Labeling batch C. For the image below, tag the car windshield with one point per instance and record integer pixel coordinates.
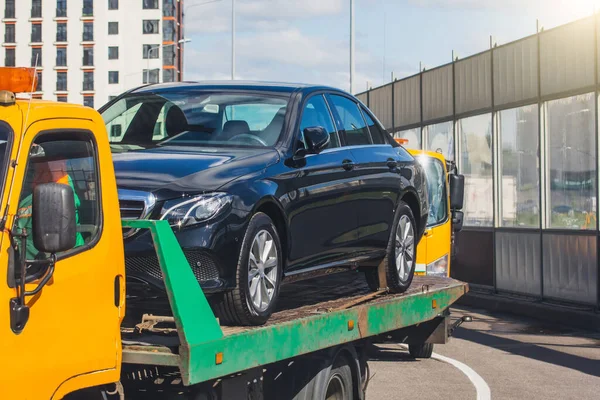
(196, 118)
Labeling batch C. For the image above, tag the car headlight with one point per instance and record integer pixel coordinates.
(185, 212)
(439, 267)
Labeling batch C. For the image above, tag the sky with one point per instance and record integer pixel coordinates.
(308, 40)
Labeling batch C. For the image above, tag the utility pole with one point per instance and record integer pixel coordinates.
(232, 39)
(351, 46)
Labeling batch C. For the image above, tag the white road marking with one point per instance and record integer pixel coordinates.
(481, 387)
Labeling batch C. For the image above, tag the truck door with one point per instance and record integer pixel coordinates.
(71, 338)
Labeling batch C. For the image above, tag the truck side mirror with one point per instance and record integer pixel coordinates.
(457, 191)
(53, 218)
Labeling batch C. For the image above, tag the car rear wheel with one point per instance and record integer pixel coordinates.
(258, 277)
(399, 263)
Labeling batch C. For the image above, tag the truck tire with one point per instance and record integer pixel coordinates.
(424, 350)
(331, 382)
(399, 249)
(244, 305)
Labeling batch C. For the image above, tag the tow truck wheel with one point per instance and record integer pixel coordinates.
(333, 382)
(424, 350)
(258, 277)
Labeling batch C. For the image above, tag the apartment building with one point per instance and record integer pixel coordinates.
(88, 51)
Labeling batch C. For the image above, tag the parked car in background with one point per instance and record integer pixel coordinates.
(263, 183)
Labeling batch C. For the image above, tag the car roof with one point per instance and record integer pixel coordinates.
(281, 87)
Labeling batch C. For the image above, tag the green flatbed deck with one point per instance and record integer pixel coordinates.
(312, 315)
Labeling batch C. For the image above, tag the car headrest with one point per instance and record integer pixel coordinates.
(175, 121)
(235, 127)
(271, 133)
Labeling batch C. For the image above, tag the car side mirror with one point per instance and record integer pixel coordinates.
(316, 139)
(457, 221)
(54, 218)
(457, 191)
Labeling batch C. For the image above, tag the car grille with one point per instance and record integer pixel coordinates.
(203, 266)
(135, 205)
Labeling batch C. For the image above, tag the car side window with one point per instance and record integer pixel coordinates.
(377, 134)
(351, 121)
(68, 159)
(316, 113)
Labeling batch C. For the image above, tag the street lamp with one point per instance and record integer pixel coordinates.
(151, 49)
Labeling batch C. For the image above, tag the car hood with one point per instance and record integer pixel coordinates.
(172, 171)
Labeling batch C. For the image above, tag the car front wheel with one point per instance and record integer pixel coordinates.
(258, 277)
(401, 255)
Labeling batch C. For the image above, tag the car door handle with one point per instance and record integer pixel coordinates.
(391, 163)
(348, 165)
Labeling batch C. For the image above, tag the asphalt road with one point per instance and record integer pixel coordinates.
(516, 358)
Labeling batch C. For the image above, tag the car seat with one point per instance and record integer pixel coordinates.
(175, 121)
(233, 128)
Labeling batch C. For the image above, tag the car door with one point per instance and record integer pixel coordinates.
(377, 168)
(72, 334)
(322, 216)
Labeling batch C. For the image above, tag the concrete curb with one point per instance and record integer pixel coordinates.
(580, 318)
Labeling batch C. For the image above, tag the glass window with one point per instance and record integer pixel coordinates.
(38, 88)
(61, 32)
(519, 165)
(113, 77)
(61, 8)
(36, 57)
(9, 33)
(9, 58)
(61, 99)
(476, 166)
(61, 81)
(88, 80)
(61, 56)
(440, 137)
(88, 8)
(168, 8)
(5, 147)
(571, 162)
(113, 28)
(316, 113)
(9, 10)
(168, 55)
(169, 33)
(169, 75)
(151, 75)
(36, 8)
(378, 134)
(88, 101)
(150, 51)
(113, 53)
(351, 121)
(412, 135)
(88, 31)
(436, 187)
(68, 159)
(88, 56)
(197, 118)
(150, 26)
(36, 33)
(113, 4)
(150, 4)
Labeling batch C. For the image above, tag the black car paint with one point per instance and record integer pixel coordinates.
(327, 213)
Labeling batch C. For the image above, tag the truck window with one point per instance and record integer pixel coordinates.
(436, 185)
(5, 136)
(69, 159)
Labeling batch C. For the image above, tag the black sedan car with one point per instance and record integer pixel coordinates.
(263, 183)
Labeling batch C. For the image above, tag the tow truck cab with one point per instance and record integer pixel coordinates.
(446, 192)
(61, 230)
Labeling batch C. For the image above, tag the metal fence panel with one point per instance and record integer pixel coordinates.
(407, 101)
(473, 83)
(380, 102)
(570, 269)
(516, 72)
(364, 97)
(518, 262)
(567, 57)
(438, 96)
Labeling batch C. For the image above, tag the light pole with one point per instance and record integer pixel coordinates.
(351, 46)
(232, 40)
(151, 49)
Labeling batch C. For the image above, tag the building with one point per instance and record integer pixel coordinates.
(521, 122)
(88, 51)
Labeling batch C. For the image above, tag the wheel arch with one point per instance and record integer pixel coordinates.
(273, 209)
(411, 198)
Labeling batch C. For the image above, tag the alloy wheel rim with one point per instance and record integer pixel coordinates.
(404, 248)
(262, 270)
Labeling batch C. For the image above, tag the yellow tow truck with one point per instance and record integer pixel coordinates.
(63, 331)
(446, 193)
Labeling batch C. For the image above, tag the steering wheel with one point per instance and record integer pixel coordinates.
(249, 136)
